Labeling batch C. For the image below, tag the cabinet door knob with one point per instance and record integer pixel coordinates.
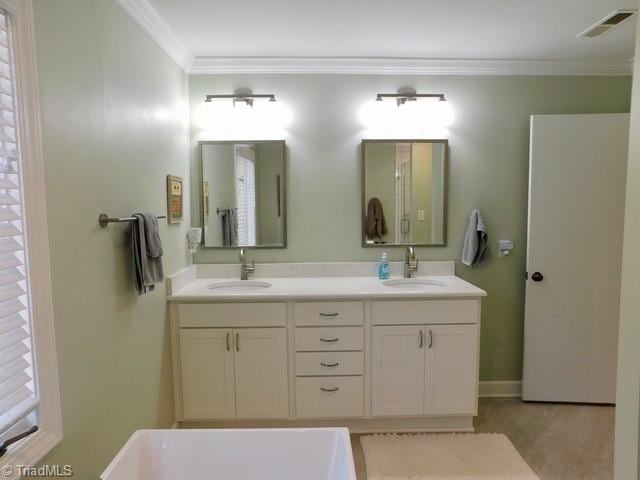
(537, 277)
(330, 390)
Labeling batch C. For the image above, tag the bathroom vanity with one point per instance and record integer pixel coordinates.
(325, 344)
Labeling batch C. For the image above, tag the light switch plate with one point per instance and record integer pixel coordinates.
(505, 247)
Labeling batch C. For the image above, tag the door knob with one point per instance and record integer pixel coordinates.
(537, 277)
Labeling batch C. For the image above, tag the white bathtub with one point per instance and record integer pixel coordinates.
(235, 454)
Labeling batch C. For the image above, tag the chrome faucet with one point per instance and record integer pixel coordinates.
(410, 262)
(245, 269)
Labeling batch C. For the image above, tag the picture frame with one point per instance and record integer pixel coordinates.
(175, 197)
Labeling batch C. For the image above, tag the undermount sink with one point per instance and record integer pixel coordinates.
(413, 283)
(238, 286)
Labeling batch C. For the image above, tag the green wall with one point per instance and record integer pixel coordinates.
(268, 167)
(421, 192)
(488, 170)
(114, 125)
(627, 429)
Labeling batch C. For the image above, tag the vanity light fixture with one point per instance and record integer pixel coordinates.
(245, 97)
(408, 111)
(405, 95)
(242, 114)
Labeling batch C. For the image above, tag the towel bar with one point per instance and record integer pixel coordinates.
(218, 210)
(104, 219)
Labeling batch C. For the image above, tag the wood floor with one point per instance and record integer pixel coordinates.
(560, 442)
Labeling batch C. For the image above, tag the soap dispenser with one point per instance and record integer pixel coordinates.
(383, 267)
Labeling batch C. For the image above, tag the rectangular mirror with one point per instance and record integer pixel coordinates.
(404, 192)
(243, 197)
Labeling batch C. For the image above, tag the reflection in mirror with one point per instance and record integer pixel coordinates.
(243, 196)
(404, 186)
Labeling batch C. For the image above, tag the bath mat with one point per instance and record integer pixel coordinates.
(483, 456)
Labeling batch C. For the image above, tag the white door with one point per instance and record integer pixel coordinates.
(398, 370)
(451, 369)
(576, 208)
(206, 358)
(261, 372)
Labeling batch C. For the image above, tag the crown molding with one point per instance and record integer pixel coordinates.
(406, 66)
(150, 20)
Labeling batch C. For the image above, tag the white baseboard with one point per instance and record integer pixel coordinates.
(500, 389)
(461, 423)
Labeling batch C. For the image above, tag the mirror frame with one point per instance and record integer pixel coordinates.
(283, 193)
(445, 192)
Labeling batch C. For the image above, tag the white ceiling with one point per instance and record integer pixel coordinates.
(444, 29)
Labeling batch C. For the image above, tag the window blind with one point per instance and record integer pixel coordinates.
(17, 387)
(245, 177)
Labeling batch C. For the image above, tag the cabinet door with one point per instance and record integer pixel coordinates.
(398, 370)
(206, 358)
(261, 372)
(451, 369)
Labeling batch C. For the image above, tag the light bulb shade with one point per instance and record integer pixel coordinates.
(211, 115)
(377, 114)
(273, 114)
(445, 113)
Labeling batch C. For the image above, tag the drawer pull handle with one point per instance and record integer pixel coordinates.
(237, 342)
(421, 337)
(329, 315)
(430, 338)
(228, 347)
(329, 365)
(329, 340)
(330, 390)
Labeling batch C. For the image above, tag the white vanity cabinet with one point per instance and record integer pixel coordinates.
(425, 357)
(208, 384)
(423, 370)
(372, 364)
(329, 342)
(236, 372)
(398, 370)
(451, 369)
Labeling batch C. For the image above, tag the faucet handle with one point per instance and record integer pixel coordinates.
(414, 267)
(251, 268)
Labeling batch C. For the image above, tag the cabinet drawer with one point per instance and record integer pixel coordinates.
(329, 363)
(193, 315)
(320, 314)
(329, 397)
(425, 312)
(317, 339)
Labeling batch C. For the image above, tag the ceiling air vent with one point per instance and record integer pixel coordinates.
(608, 23)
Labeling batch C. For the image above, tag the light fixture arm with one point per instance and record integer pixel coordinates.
(404, 97)
(247, 98)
